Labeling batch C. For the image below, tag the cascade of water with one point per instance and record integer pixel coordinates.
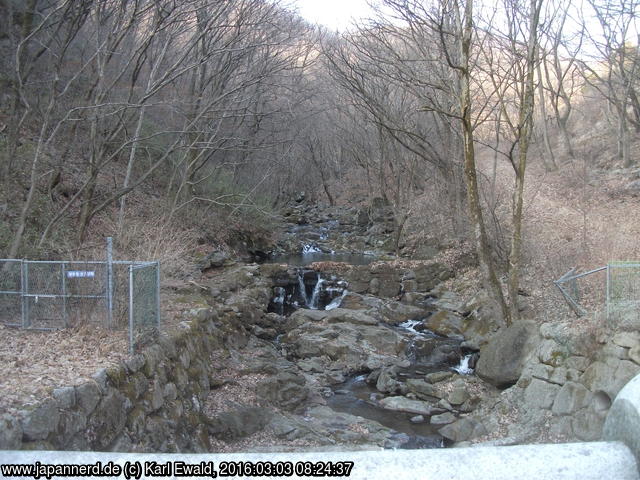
(310, 248)
(336, 302)
(313, 304)
(278, 301)
(302, 287)
(463, 367)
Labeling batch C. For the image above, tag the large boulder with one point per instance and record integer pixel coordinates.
(354, 347)
(503, 358)
(286, 390)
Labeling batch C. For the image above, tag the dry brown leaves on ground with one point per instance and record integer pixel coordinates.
(33, 363)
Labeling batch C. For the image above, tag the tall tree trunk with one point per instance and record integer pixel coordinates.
(525, 122)
(473, 196)
(549, 159)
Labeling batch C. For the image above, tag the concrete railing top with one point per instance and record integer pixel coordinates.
(584, 461)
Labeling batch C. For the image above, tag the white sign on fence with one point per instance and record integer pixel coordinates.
(81, 274)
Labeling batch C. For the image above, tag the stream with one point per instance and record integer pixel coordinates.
(427, 352)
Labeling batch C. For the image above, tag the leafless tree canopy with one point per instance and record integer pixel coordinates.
(234, 106)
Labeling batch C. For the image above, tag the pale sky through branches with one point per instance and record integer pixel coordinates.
(333, 14)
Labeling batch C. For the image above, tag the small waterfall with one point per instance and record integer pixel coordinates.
(302, 287)
(313, 304)
(336, 302)
(310, 248)
(464, 368)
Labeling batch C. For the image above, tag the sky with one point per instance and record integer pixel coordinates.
(333, 14)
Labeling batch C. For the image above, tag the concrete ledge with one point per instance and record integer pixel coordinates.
(623, 420)
(584, 461)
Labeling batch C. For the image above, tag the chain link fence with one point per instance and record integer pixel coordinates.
(616, 287)
(51, 295)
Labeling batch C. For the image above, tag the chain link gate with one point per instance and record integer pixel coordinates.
(51, 295)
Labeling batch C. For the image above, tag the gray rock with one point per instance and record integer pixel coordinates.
(540, 394)
(552, 353)
(587, 425)
(577, 363)
(634, 354)
(387, 382)
(436, 377)
(422, 389)
(627, 339)
(134, 363)
(503, 358)
(101, 378)
(10, 433)
(109, 418)
(286, 390)
(403, 404)
(614, 351)
(609, 378)
(417, 419)
(356, 317)
(66, 397)
(215, 259)
(463, 429)
(70, 423)
(445, 323)
(170, 392)
(443, 419)
(571, 398)
(88, 396)
(458, 396)
(239, 423)
(39, 423)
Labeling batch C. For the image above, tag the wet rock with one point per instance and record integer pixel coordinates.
(503, 358)
(386, 382)
(422, 389)
(417, 419)
(443, 419)
(403, 404)
(444, 323)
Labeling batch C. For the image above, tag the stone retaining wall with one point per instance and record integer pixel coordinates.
(151, 402)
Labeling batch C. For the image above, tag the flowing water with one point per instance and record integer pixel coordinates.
(426, 351)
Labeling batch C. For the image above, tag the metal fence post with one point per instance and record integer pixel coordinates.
(158, 294)
(608, 300)
(131, 309)
(22, 297)
(109, 285)
(63, 271)
(25, 291)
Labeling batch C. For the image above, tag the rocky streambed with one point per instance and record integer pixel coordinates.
(374, 351)
(352, 349)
